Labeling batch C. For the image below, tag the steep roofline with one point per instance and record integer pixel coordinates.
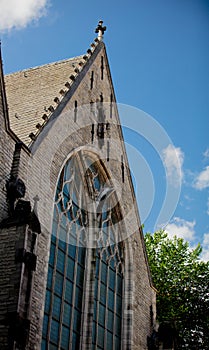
(5, 107)
(44, 65)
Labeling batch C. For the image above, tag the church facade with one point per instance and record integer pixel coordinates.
(73, 271)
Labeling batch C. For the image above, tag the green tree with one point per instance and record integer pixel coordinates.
(182, 283)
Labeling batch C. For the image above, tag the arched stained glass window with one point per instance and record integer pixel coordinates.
(84, 203)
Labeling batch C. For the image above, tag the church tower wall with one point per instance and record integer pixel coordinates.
(6, 146)
(15, 239)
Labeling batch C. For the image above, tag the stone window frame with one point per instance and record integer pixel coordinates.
(104, 170)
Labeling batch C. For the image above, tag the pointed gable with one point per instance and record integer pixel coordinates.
(34, 94)
(65, 112)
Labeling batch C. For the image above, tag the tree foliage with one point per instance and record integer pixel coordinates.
(182, 283)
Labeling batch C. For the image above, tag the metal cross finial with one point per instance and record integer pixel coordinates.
(100, 30)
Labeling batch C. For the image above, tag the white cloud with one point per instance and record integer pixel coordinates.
(173, 158)
(205, 246)
(181, 228)
(18, 14)
(206, 153)
(188, 198)
(202, 180)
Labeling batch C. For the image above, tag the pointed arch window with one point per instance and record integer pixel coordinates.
(83, 180)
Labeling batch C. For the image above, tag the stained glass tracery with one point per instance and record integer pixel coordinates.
(83, 181)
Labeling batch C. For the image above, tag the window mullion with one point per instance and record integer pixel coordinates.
(63, 293)
(53, 283)
(98, 298)
(74, 293)
(115, 300)
(106, 307)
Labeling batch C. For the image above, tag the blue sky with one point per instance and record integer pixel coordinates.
(159, 58)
